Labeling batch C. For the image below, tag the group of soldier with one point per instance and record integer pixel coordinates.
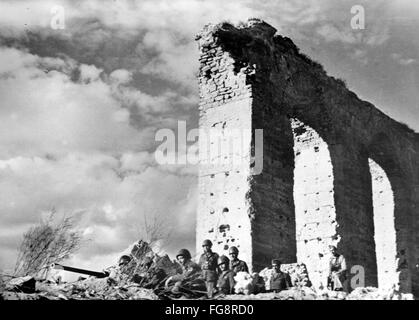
(218, 272)
(215, 274)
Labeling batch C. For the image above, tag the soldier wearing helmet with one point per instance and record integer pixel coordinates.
(279, 280)
(208, 262)
(225, 283)
(189, 270)
(119, 273)
(337, 279)
(236, 265)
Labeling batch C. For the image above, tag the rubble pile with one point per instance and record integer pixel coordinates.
(143, 278)
(308, 293)
(138, 280)
(371, 293)
(88, 289)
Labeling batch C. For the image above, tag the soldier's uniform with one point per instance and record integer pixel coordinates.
(238, 266)
(235, 264)
(190, 271)
(279, 281)
(337, 273)
(225, 283)
(209, 265)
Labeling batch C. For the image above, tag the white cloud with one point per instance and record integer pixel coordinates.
(70, 145)
(400, 59)
(109, 196)
(120, 76)
(78, 136)
(43, 111)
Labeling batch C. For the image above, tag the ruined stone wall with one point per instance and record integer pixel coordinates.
(251, 78)
(223, 209)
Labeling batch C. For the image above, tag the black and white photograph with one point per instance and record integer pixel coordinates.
(226, 152)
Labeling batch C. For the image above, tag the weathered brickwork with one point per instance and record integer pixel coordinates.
(319, 140)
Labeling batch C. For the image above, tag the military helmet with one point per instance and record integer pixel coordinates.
(185, 253)
(276, 261)
(233, 249)
(207, 242)
(223, 259)
(125, 259)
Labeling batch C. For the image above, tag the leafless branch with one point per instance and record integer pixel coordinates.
(46, 243)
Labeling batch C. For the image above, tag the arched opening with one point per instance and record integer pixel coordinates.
(315, 212)
(384, 229)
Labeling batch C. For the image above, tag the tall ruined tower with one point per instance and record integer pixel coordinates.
(334, 169)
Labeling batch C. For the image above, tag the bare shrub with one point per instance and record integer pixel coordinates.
(155, 228)
(46, 243)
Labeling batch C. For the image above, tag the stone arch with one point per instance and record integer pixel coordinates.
(384, 230)
(315, 213)
(260, 80)
(382, 152)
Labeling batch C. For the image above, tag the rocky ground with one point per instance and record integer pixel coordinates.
(98, 289)
(138, 282)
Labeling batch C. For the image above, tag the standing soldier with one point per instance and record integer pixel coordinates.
(236, 265)
(337, 270)
(226, 281)
(279, 280)
(209, 265)
(189, 270)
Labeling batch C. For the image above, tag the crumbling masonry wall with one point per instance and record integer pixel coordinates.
(319, 138)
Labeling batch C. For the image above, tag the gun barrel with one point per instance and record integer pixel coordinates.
(82, 271)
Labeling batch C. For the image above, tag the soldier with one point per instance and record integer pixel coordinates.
(337, 271)
(226, 281)
(208, 262)
(189, 270)
(236, 265)
(118, 273)
(279, 280)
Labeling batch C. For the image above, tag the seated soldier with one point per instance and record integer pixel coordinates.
(337, 271)
(258, 284)
(279, 280)
(226, 281)
(236, 265)
(190, 271)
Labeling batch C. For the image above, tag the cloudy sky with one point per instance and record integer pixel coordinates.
(79, 106)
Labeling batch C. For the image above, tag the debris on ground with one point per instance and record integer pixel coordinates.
(144, 276)
(308, 293)
(21, 284)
